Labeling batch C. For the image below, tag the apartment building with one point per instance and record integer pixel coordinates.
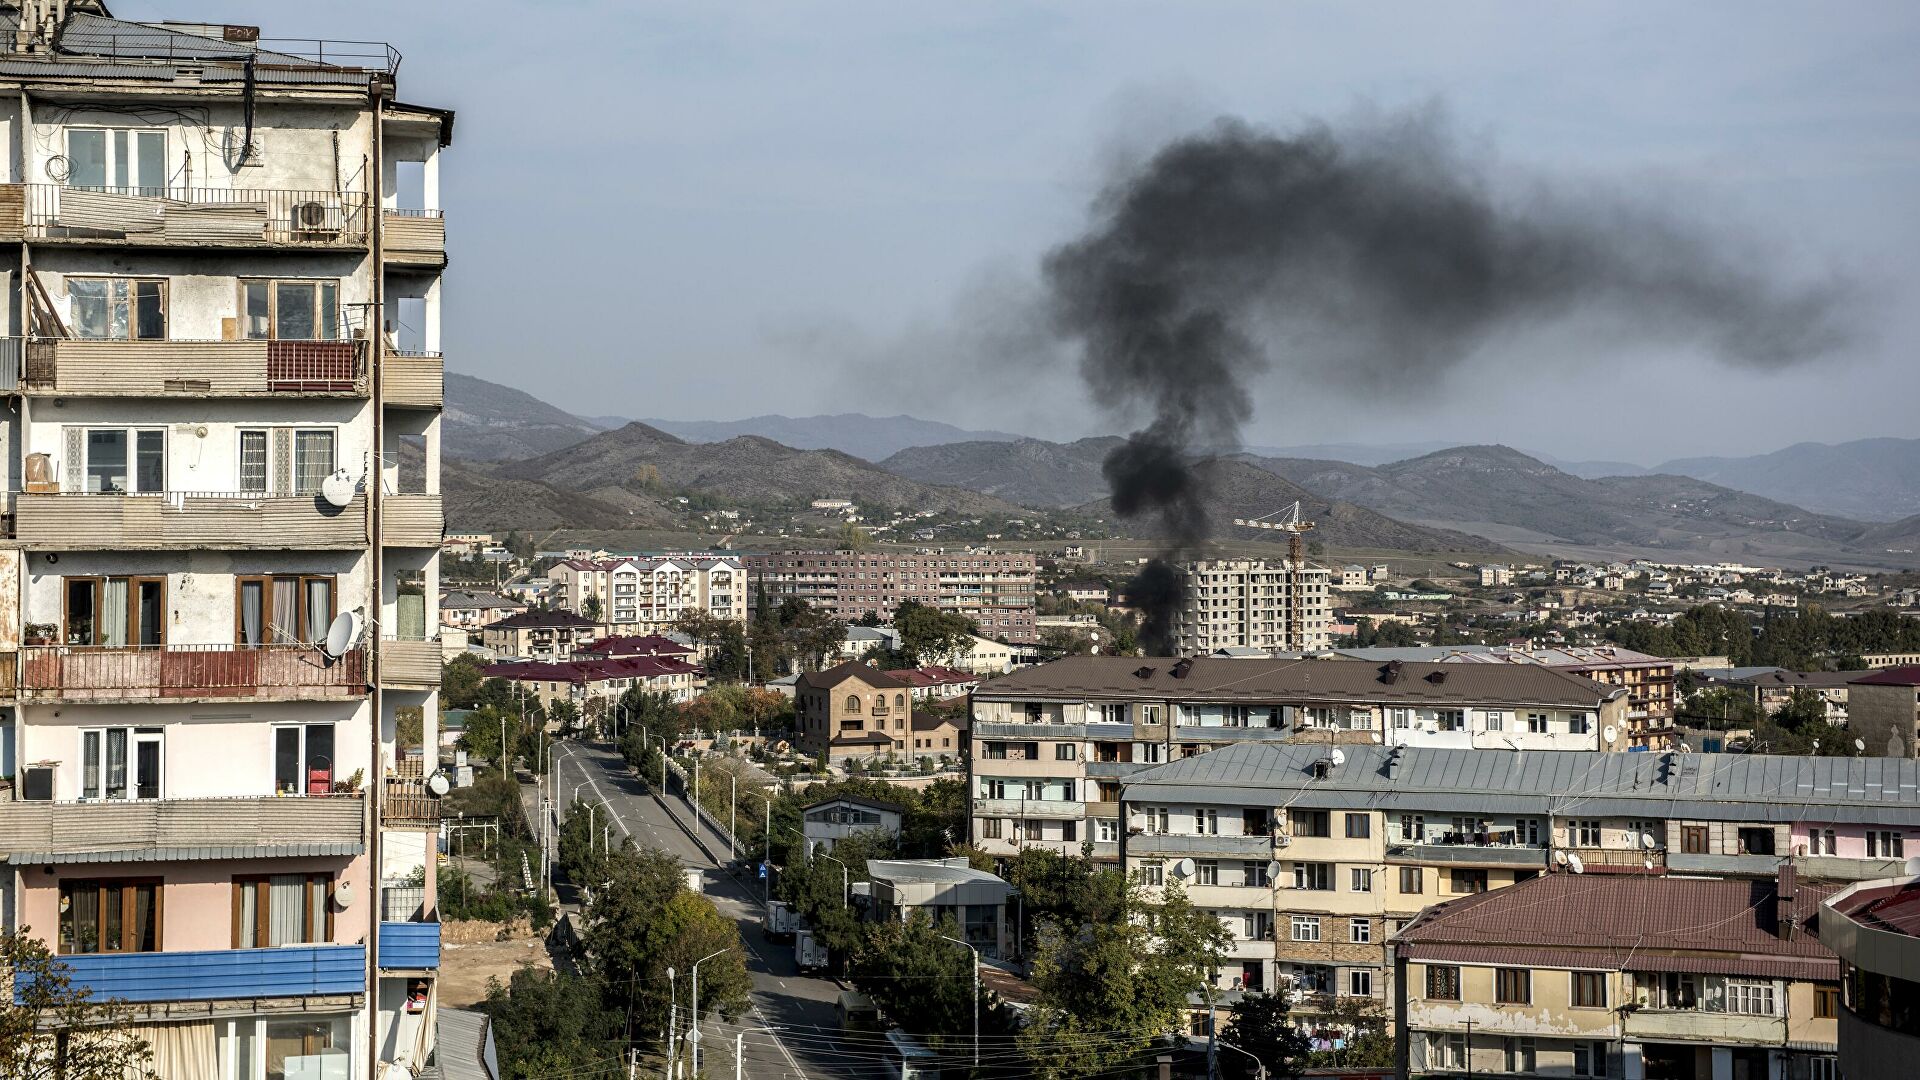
(546, 636)
(223, 286)
(1253, 603)
(1317, 860)
(470, 609)
(1873, 927)
(993, 588)
(645, 595)
(1647, 679)
(1053, 743)
(1883, 711)
(854, 710)
(1641, 975)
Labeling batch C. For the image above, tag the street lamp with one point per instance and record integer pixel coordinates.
(1257, 1063)
(733, 814)
(694, 1035)
(976, 996)
(766, 876)
(846, 887)
(663, 765)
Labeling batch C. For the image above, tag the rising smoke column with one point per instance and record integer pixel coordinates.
(1374, 259)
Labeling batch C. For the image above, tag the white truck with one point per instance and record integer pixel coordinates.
(782, 922)
(808, 953)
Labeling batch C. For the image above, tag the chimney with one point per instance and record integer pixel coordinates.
(1785, 884)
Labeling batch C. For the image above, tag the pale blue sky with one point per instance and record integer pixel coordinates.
(710, 209)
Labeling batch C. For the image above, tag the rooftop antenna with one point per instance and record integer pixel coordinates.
(1294, 527)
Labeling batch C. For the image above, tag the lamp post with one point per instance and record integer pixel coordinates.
(663, 765)
(976, 996)
(694, 1035)
(733, 813)
(673, 1019)
(1257, 1063)
(766, 878)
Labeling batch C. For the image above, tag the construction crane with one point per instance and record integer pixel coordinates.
(1290, 524)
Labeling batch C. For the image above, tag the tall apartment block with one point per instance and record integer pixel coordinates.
(993, 588)
(1266, 604)
(646, 595)
(222, 291)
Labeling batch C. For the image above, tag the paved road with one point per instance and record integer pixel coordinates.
(792, 1030)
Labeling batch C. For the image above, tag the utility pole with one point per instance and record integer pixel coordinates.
(733, 814)
(976, 996)
(766, 876)
(739, 1041)
(693, 1036)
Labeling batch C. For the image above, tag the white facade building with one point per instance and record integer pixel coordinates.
(1256, 603)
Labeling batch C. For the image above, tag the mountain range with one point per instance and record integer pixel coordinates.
(869, 438)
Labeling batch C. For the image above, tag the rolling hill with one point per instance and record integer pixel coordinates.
(869, 438)
(1032, 472)
(485, 421)
(1867, 479)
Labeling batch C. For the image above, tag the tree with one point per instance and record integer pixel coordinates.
(929, 635)
(1366, 1034)
(852, 537)
(460, 681)
(913, 973)
(1066, 641)
(51, 1029)
(550, 1023)
(1258, 1024)
(564, 713)
(590, 609)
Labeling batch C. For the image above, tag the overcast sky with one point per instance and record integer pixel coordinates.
(707, 210)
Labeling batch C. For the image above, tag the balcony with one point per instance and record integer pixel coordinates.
(415, 521)
(414, 380)
(1183, 844)
(188, 673)
(198, 218)
(289, 971)
(1695, 1025)
(408, 802)
(182, 829)
(1683, 862)
(1111, 770)
(409, 946)
(414, 238)
(1835, 868)
(410, 664)
(1030, 731)
(1051, 809)
(1515, 855)
(74, 368)
(217, 520)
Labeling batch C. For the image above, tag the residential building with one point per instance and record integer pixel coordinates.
(626, 647)
(993, 588)
(470, 609)
(646, 595)
(216, 595)
(943, 889)
(586, 678)
(1637, 975)
(1775, 688)
(546, 636)
(985, 656)
(933, 682)
(861, 640)
(464, 544)
(1337, 853)
(1351, 577)
(1874, 928)
(1085, 592)
(1883, 711)
(830, 820)
(1886, 660)
(1052, 744)
(853, 710)
(1496, 576)
(1261, 603)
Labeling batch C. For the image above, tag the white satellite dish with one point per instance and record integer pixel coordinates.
(1860, 745)
(343, 635)
(1339, 757)
(1183, 868)
(1559, 858)
(1273, 871)
(437, 783)
(1574, 864)
(343, 894)
(1646, 840)
(1913, 865)
(337, 489)
(1648, 863)
(1608, 733)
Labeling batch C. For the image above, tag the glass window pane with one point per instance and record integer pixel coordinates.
(253, 461)
(253, 612)
(259, 306)
(107, 461)
(82, 919)
(81, 617)
(150, 314)
(286, 760)
(121, 158)
(150, 614)
(118, 320)
(293, 311)
(87, 158)
(312, 460)
(150, 163)
(286, 610)
(319, 758)
(113, 612)
(116, 763)
(319, 605)
(146, 920)
(90, 765)
(330, 310)
(249, 915)
(151, 459)
(89, 306)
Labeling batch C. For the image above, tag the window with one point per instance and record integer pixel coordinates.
(1885, 844)
(1360, 879)
(303, 759)
(1536, 723)
(1590, 989)
(253, 460)
(118, 309)
(1467, 881)
(122, 460)
(994, 750)
(1826, 1001)
(1580, 723)
(1152, 873)
(1512, 986)
(1106, 830)
(1526, 831)
(1756, 841)
(1206, 872)
(1360, 931)
(283, 909)
(291, 310)
(1821, 842)
(992, 828)
(1309, 823)
(1823, 1068)
(1394, 926)
(1069, 831)
(1256, 925)
(1315, 877)
(121, 763)
(110, 916)
(1585, 833)
(1589, 1059)
(1413, 828)
(1496, 720)
(1359, 826)
(1306, 927)
(1401, 719)
(1521, 1055)
(1063, 751)
(1206, 822)
(1253, 875)
(1447, 1051)
(1359, 983)
(1693, 839)
(1031, 829)
(1451, 719)
(282, 610)
(1410, 880)
(853, 703)
(133, 160)
(1443, 982)
(116, 611)
(313, 458)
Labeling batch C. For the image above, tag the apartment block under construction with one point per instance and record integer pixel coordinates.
(1270, 605)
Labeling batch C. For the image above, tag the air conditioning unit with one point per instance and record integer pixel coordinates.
(1282, 840)
(316, 220)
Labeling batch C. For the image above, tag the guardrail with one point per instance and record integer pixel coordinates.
(195, 217)
(78, 672)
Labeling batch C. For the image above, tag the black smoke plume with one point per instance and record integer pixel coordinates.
(1376, 260)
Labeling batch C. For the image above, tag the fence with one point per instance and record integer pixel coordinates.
(100, 671)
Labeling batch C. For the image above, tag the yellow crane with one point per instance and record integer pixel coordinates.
(1291, 524)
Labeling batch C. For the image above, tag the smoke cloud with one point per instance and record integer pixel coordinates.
(1375, 259)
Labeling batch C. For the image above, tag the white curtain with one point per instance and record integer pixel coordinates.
(179, 1050)
(286, 609)
(319, 608)
(249, 916)
(113, 612)
(251, 600)
(286, 909)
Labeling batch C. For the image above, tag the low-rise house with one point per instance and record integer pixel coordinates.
(584, 680)
(1634, 975)
(1773, 689)
(1085, 592)
(1874, 928)
(629, 646)
(861, 640)
(853, 710)
(943, 889)
(1883, 711)
(835, 819)
(471, 609)
(933, 682)
(544, 636)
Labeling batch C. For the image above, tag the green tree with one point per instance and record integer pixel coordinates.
(914, 974)
(1066, 641)
(1365, 1029)
(851, 537)
(590, 609)
(51, 1029)
(564, 713)
(550, 1023)
(460, 681)
(929, 635)
(1259, 1024)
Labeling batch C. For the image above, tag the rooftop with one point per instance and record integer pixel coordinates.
(98, 46)
(535, 619)
(1579, 657)
(457, 599)
(852, 669)
(929, 872)
(933, 675)
(1908, 675)
(1894, 908)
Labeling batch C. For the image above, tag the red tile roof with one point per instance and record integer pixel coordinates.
(1893, 676)
(852, 669)
(631, 645)
(528, 620)
(1894, 908)
(933, 675)
(591, 670)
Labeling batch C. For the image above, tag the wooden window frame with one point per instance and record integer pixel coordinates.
(273, 306)
(1587, 989)
(124, 887)
(1694, 840)
(133, 311)
(1512, 986)
(1451, 976)
(99, 583)
(266, 604)
(263, 914)
(133, 433)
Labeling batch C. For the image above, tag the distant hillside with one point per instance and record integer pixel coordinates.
(1868, 479)
(1032, 472)
(867, 437)
(485, 421)
(638, 462)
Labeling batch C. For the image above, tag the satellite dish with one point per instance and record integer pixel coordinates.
(1339, 757)
(1860, 745)
(1273, 871)
(1913, 865)
(1574, 864)
(1559, 858)
(1136, 821)
(1183, 868)
(337, 489)
(1608, 733)
(1646, 840)
(437, 783)
(1648, 863)
(343, 894)
(343, 635)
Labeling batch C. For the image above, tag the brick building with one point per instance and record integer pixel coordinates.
(993, 588)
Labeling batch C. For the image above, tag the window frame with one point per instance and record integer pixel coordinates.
(132, 433)
(1446, 977)
(1359, 930)
(135, 735)
(116, 160)
(1359, 826)
(263, 908)
(1583, 987)
(134, 627)
(269, 619)
(1417, 876)
(1512, 986)
(132, 284)
(126, 891)
(1303, 927)
(324, 316)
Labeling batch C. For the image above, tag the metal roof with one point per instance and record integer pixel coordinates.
(188, 854)
(1749, 787)
(929, 872)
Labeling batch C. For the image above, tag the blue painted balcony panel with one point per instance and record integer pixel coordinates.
(288, 971)
(409, 946)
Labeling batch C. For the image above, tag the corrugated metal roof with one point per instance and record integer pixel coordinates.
(1237, 679)
(929, 871)
(1761, 787)
(462, 1038)
(185, 854)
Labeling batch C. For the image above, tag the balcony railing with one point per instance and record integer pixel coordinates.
(194, 217)
(414, 238)
(288, 971)
(412, 521)
(409, 946)
(69, 366)
(112, 673)
(1030, 808)
(408, 802)
(415, 664)
(1182, 844)
(412, 379)
(321, 824)
(218, 520)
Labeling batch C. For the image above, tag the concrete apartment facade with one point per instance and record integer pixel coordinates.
(1874, 928)
(646, 595)
(1252, 603)
(1317, 861)
(1883, 711)
(1053, 744)
(222, 446)
(993, 588)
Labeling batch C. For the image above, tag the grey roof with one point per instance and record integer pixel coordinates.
(1746, 787)
(456, 599)
(259, 827)
(188, 854)
(463, 1038)
(928, 872)
(1235, 679)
